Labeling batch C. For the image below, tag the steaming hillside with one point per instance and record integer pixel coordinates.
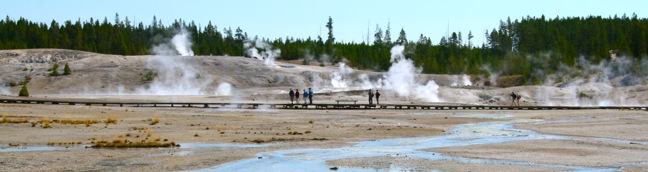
(94, 73)
(101, 74)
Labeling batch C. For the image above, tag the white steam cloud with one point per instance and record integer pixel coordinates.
(461, 82)
(492, 75)
(401, 78)
(340, 78)
(602, 84)
(175, 68)
(261, 50)
(224, 89)
(182, 43)
(365, 82)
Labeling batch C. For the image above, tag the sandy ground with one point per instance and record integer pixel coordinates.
(603, 138)
(181, 126)
(614, 139)
(400, 163)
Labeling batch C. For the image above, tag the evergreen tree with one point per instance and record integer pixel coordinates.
(402, 38)
(66, 70)
(54, 70)
(330, 40)
(23, 91)
(470, 37)
(388, 35)
(378, 36)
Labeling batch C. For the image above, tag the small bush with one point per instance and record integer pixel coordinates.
(66, 70)
(86, 122)
(148, 76)
(23, 91)
(154, 120)
(45, 123)
(584, 95)
(110, 120)
(295, 133)
(54, 70)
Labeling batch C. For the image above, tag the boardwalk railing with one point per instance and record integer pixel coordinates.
(310, 106)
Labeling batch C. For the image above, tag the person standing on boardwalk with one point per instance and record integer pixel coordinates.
(516, 99)
(305, 96)
(297, 96)
(377, 97)
(370, 96)
(310, 95)
(291, 93)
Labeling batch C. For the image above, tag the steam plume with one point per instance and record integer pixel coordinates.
(340, 78)
(401, 78)
(176, 70)
(261, 50)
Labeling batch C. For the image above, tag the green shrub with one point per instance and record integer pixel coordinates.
(148, 76)
(66, 70)
(23, 91)
(54, 70)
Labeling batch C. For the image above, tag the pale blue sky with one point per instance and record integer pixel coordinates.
(303, 18)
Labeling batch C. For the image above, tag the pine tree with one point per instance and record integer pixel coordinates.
(23, 91)
(470, 37)
(378, 36)
(402, 38)
(66, 70)
(387, 36)
(54, 70)
(331, 39)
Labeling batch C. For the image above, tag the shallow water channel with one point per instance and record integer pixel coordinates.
(314, 159)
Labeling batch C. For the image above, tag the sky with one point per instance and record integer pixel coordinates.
(307, 18)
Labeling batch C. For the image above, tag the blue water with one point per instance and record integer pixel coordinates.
(30, 149)
(314, 159)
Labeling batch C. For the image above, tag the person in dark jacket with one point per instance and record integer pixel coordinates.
(377, 97)
(370, 93)
(291, 93)
(516, 99)
(297, 96)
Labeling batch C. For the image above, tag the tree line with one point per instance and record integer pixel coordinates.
(518, 47)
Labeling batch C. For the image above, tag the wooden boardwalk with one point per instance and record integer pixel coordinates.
(310, 106)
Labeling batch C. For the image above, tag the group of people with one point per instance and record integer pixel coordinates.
(371, 95)
(294, 95)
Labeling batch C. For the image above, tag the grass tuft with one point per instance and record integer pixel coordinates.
(154, 121)
(110, 120)
(9, 120)
(134, 141)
